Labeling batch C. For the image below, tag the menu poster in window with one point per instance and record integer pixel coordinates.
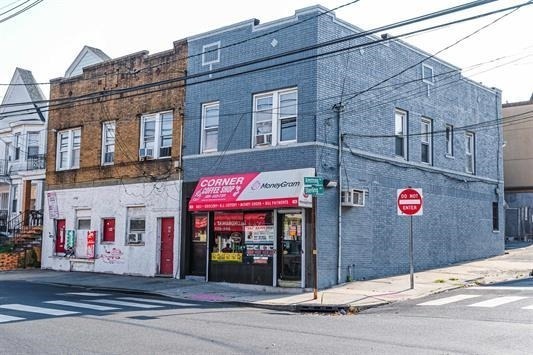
(259, 234)
(200, 227)
(91, 239)
(228, 222)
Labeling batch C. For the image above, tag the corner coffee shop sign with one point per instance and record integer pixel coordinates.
(272, 189)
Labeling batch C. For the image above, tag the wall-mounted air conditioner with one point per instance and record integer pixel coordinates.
(146, 153)
(262, 139)
(135, 238)
(353, 198)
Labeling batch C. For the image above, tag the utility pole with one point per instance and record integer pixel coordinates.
(338, 109)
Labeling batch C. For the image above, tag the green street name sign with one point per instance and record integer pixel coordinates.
(314, 190)
(314, 181)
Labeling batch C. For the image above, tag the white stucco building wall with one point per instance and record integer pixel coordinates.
(157, 200)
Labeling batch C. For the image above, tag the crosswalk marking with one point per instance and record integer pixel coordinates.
(447, 300)
(32, 309)
(96, 307)
(124, 303)
(85, 294)
(4, 319)
(150, 300)
(493, 288)
(498, 301)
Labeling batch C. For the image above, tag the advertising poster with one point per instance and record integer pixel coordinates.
(91, 240)
(71, 239)
(53, 210)
(259, 234)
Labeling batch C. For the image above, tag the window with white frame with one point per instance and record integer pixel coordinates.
(427, 74)
(470, 152)
(426, 131)
(68, 149)
(34, 139)
(136, 225)
(449, 140)
(14, 200)
(210, 117)
(211, 54)
(16, 145)
(400, 133)
(156, 136)
(108, 143)
(275, 115)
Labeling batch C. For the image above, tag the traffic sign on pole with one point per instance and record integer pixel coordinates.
(313, 180)
(314, 190)
(410, 202)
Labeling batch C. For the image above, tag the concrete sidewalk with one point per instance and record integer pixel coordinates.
(516, 263)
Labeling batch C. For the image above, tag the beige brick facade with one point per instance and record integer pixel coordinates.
(119, 90)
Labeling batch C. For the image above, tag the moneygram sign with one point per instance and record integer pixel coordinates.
(273, 189)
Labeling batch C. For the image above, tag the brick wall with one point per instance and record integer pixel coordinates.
(10, 261)
(126, 108)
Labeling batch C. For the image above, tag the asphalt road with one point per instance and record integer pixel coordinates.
(494, 320)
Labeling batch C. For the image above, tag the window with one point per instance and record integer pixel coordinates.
(156, 136)
(14, 205)
(425, 140)
(275, 116)
(17, 146)
(68, 149)
(210, 114)
(33, 144)
(449, 140)
(108, 143)
(470, 153)
(108, 234)
(427, 74)
(83, 223)
(495, 217)
(211, 54)
(136, 225)
(400, 132)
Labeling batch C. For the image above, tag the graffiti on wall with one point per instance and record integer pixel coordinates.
(112, 256)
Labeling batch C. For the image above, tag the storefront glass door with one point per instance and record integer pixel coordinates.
(198, 245)
(290, 236)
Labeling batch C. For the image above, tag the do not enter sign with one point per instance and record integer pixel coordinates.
(410, 202)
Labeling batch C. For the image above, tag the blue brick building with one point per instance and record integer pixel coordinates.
(263, 98)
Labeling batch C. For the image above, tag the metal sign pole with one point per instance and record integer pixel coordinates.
(315, 271)
(411, 263)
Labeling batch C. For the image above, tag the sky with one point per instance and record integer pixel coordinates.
(47, 38)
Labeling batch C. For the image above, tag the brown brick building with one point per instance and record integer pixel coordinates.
(114, 163)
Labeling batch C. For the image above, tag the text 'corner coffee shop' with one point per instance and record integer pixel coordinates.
(251, 228)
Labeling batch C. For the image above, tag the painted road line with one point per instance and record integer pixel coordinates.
(96, 307)
(32, 309)
(528, 307)
(447, 300)
(511, 288)
(498, 301)
(4, 319)
(124, 303)
(86, 294)
(150, 300)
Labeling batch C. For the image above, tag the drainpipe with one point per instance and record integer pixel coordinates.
(338, 108)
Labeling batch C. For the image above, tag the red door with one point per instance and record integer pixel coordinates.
(60, 236)
(109, 230)
(167, 246)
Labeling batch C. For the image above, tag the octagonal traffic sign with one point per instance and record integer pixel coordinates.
(410, 202)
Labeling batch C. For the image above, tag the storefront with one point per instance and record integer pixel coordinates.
(251, 228)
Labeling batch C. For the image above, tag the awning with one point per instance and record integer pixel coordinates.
(272, 189)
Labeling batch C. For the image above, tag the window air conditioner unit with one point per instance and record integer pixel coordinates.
(262, 139)
(134, 238)
(165, 151)
(353, 198)
(146, 153)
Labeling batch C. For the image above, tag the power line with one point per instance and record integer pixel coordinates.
(35, 3)
(189, 77)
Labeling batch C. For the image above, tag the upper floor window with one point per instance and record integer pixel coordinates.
(427, 74)
(210, 112)
(68, 149)
(400, 133)
(275, 116)
(156, 136)
(108, 143)
(16, 145)
(211, 54)
(426, 131)
(470, 152)
(449, 140)
(34, 139)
